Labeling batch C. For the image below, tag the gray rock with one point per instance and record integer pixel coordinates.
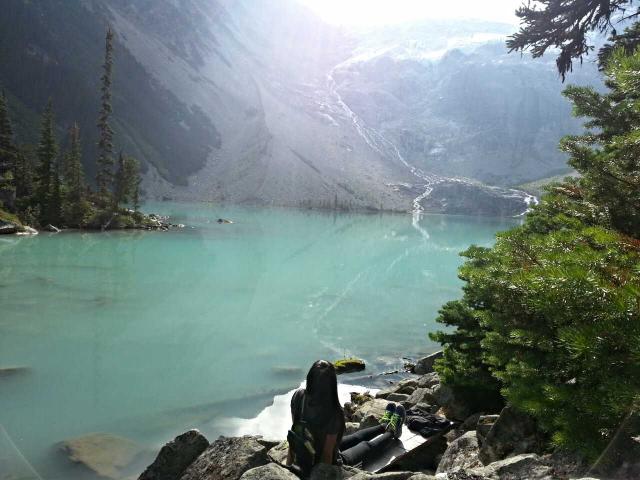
(11, 371)
(422, 476)
(279, 453)
(105, 454)
(428, 380)
(7, 228)
(484, 425)
(512, 434)
(175, 456)
(372, 408)
(453, 407)
(383, 476)
(227, 459)
(51, 228)
(405, 387)
(398, 397)
(323, 471)
(270, 471)
(462, 453)
(527, 466)
(27, 230)
(425, 364)
(421, 395)
(351, 427)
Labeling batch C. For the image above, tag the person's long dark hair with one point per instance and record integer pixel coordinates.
(322, 388)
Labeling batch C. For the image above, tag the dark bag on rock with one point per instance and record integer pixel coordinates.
(425, 423)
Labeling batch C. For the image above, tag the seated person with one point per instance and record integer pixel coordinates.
(318, 425)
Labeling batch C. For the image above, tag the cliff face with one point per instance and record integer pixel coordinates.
(258, 101)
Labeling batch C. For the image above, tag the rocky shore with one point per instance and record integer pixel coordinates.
(481, 445)
(134, 221)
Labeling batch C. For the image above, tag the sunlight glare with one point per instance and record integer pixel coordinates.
(380, 12)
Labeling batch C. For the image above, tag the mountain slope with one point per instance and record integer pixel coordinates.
(260, 102)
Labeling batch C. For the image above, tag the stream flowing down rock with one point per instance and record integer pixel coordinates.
(105, 454)
(227, 459)
(176, 456)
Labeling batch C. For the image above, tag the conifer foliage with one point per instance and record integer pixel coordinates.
(105, 144)
(52, 189)
(7, 156)
(551, 313)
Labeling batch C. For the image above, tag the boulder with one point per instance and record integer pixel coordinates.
(421, 476)
(421, 395)
(452, 405)
(51, 228)
(373, 408)
(403, 387)
(351, 427)
(227, 459)
(484, 425)
(279, 453)
(348, 365)
(428, 380)
(105, 454)
(27, 230)
(383, 476)
(425, 364)
(322, 471)
(398, 397)
(11, 371)
(8, 228)
(270, 471)
(175, 456)
(529, 466)
(461, 454)
(513, 433)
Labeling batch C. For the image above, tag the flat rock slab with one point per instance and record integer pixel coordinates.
(103, 453)
(11, 371)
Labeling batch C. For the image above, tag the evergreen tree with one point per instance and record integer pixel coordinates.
(47, 157)
(104, 178)
(8, 153)
(565, 24)
(127, 181)
(75, 206)
(552, 311)
(23, 176)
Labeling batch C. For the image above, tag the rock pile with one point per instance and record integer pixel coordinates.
(503, 445)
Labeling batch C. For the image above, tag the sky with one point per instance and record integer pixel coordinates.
(381, 12)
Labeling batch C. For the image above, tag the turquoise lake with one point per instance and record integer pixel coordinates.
(146, 334)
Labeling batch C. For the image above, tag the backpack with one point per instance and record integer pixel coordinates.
(301, 441)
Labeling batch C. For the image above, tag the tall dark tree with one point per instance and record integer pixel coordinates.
(104, 178)
(75, 205)
(47, 158)
(565, 24)
(8, 153)
(23, 172)
(127, 181)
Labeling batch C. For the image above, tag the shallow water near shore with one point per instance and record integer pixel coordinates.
(147, 334)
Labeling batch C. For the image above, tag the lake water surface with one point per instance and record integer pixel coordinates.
(146, 334)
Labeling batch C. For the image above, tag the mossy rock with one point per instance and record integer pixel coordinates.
(348, 365)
